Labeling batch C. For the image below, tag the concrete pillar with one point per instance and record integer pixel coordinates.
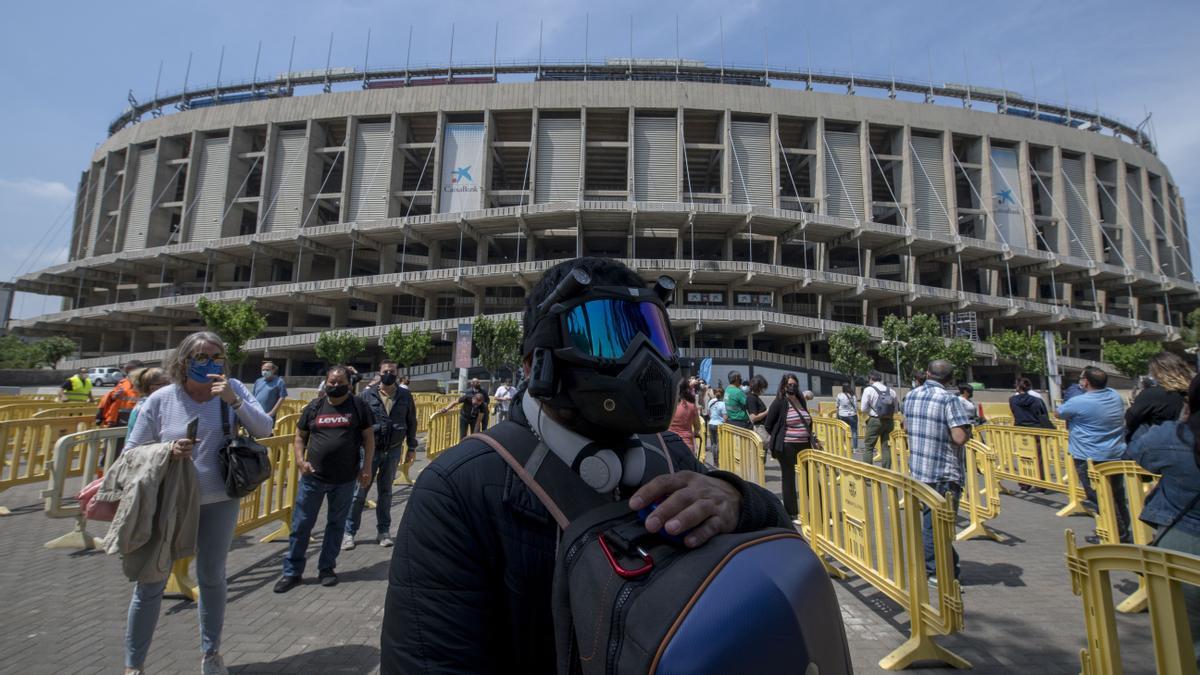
(481, 250)
(430, 306)
(819, 187)
(387, 258)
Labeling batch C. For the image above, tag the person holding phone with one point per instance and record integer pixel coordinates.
(199, 391)
(329, 434)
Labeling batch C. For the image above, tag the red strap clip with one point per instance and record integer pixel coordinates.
(647, 561)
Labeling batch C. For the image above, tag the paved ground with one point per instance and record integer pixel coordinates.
(64, 612)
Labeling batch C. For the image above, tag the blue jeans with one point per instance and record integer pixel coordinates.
(383, 471)
(853, 422)
(309, 494)
(941, 487)
(213, 537)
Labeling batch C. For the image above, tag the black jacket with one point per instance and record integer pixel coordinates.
(1154, 405)
(776, 423)
(396, 426)
(1029, 411)
(469, 586)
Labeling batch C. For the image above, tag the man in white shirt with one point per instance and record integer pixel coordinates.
(847, 412)
(504, 396)
(879, 402)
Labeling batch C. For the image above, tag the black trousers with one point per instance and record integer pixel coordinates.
(787, 463)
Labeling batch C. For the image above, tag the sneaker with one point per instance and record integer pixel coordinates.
(213, 664)
(348, 542)
(385, 541)
(286, 584)
(327, 578)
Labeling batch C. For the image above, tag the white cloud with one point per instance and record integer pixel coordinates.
(37, 189)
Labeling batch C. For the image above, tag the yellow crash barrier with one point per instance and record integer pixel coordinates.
(84, 455)
(741, 453)
(64, 411)
(443, 433)
(27, 447)
(271, 502)
(898, 445)
(834, 436)
(285, 425)
(1036, 457)
(853, 515)
(981, 486)
(1138, 483)
(1165, 571)
(1000, 420)
(21, 411)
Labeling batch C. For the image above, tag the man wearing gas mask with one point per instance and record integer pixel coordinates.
(470, 583)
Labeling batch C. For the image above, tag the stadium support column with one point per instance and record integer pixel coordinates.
(1091, 195)
(987, 203)
(820, 190)
(1031, 235)
(906, 199)
(1058, 194)
(947, 177)
(726, 161)
(439, 134)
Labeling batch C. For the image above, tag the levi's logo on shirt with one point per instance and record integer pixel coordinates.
(331, 420)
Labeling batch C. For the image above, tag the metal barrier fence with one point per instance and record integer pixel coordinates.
(22, 411)
(1165, 572)
(1000, 420)
(443, 433)
(27, 447)
(834, 435)
(981, 485)
(425, 410)
(1137, 482)
(271, 502)
(741, 453)
(852, 514)
(285, 425)
(63, 411)
(1036, 457)
(83, 455)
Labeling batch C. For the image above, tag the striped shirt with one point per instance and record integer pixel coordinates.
(165, 414)
(797, 426)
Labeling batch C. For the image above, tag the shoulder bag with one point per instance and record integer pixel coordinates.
(245, 463)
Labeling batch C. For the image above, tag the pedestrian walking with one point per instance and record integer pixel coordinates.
(685, 423)
(937, 427)
(716, 417)
(145, 381)
(789, 426)
(735, 402)
(329, 434)
(879, 404)
(847, 411)
(77, 388)
(395, 415)
(1164, 399)
(504, 396)
(1096, 422)
(200, 391)
(115, 406)
(270, 390)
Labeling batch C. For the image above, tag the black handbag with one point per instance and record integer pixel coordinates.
(245, 463)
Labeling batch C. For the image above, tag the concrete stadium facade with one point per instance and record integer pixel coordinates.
(784, 213)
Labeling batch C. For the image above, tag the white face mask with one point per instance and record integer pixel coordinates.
(267, 374)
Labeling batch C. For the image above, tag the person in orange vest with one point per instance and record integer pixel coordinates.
(116, 405)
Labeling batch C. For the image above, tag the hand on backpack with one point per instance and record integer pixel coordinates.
(701, 506)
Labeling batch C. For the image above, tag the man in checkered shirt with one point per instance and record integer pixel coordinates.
(937, 427)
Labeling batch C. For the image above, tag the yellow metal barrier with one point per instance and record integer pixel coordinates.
(834, 435)
(741, 453)
(1165, 571)
(285, 425)
(981, 486)
(1037, 457)
(443, 433)
(898, 445)
(21, 411)
(1138, 483)
(64, 411)
(291, 406)
(27, 447)
(425, 410)
(1000, 420)
(853, 515)
(84, 455)
(271, 502)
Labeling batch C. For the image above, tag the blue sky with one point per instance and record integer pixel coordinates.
(68, 66)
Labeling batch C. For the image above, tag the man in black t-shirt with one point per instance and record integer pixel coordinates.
(473, 414)
(328, 437)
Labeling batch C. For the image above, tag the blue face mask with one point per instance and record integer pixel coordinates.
(199, 373)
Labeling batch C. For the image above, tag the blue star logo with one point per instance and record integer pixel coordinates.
(1005, 197)
(462, 173)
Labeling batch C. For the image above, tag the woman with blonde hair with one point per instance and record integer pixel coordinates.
(1163, 400)
(200, 390)
(145, 381)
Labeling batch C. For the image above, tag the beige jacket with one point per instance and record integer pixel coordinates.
(159, 512)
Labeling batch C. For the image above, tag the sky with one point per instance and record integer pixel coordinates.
(68, 66)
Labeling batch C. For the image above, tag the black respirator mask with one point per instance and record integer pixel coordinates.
(605, 357)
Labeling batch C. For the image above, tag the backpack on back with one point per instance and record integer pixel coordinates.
(629, 601)
(885, 402)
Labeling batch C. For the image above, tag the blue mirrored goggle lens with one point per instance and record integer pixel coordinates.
(604, 328)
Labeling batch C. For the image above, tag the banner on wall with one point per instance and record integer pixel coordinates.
(462, 346)
(1006, 197)
(462, 168)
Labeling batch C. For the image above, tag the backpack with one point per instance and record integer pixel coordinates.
(885, 402)
(628, 601)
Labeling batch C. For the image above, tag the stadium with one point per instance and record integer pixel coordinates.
(787, 204)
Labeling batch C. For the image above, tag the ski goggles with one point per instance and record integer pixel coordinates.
(608, 328)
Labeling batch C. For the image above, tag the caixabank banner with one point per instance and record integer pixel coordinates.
(462, 168)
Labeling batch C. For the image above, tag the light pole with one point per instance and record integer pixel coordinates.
(897, 345)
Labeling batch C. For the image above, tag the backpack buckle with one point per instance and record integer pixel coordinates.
(623, 572)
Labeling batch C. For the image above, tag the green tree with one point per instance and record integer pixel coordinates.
(498, 342)
(1190, 330)
(407, 349)
(848, 352)
(1131, 359)
(339, 347)
(16, 353)
(51, 350)
(236, 323)
(1025, 349)
(921, 336)
(961, 354)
